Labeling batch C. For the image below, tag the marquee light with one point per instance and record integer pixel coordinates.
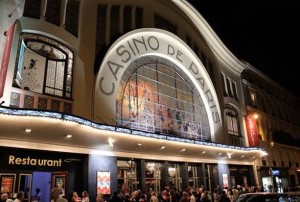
(85, 122)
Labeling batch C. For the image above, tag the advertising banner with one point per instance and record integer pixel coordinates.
(251, 131)
(5, 58)
(103, 182)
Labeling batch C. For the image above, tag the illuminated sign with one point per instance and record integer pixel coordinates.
(252, 131)
(28, 161)
(133, 49)
(225, 180)
(129, 49)
(275, 172)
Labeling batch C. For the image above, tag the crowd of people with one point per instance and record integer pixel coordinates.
(8, 197)
(174, 195)
(167, 195)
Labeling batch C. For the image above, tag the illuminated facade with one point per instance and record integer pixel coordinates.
(121, 90)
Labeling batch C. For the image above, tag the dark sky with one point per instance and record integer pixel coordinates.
(264, 33)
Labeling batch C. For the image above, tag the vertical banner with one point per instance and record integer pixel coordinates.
(251, 131)
(5, 58)
(103, 182)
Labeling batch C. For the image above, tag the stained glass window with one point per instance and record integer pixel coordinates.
(44, 66)
(232, 120)
(159, 98)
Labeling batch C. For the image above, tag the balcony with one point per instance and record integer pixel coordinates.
(236, 140)
(28, 100)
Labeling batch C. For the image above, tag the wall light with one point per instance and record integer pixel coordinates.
(110, 142)
(27, 130)
(229, 155)
(172, 171)
(69, 136)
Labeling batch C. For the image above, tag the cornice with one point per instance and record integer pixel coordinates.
(224, 55)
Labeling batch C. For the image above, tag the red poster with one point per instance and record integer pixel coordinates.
(6, 184)
(103, 182)
(5, 58)
(252, 131)
(225, 181)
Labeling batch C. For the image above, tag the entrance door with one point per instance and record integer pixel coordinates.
(41, 180)
(268, 184)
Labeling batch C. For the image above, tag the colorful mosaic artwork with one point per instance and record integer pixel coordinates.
(155, 98)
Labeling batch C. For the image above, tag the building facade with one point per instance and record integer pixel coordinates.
(278, 129)
(106, 95)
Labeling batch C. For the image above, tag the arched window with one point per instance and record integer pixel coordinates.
(159, 97)
(44, 66)
(232, 120)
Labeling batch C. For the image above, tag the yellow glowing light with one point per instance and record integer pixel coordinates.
(255, 116)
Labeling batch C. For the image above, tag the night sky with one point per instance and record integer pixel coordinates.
(264, 33)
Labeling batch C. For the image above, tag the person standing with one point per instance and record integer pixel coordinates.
(185, 197)
(10, 197)
(37, 195)
(4, 198)
(115, 197)
(223, 197)
(85, 196)
(100, 197)
(55, 196)
(193, 196)
(75, 197)
(216, 195)
(205, 197)
(153, 197)
(20, 197)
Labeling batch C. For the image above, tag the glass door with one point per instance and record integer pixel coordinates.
(175, 180)
(153, 175)
(25, 181)
(127, 179)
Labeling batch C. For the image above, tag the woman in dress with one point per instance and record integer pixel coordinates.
(85, 196)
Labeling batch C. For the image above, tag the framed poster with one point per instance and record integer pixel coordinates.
(245, 181)
(225, 180)
(103, 182)
(7, 182)
(233, 181)
(59, 181)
